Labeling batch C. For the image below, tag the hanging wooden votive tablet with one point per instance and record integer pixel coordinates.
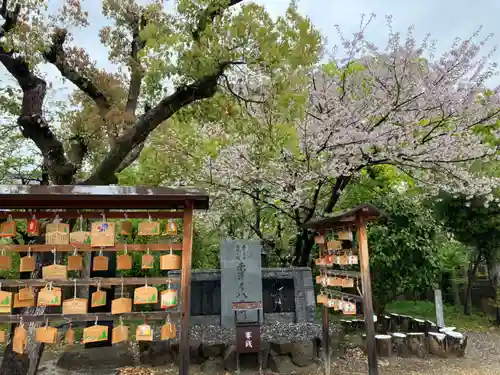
(22, 303)
(168, 298)
(75, 262)
(5, 302)
(95, 333)
(147, 261)
(124, 261)
(352, 259)
(125, 228)
(2, 337)
(98, 297)
(332, 303)
(49, 296)
(334, 281)
(144, 333)
(102, 234)
(75, 305)
(170, 261)
(19, 340)
(348, 283)
(69, 337)
(27, 263)
(320, 261)
(145, 295)
(322, 298)
(26, 293)
(168, 330)
(100, 262)
(46, 335)
(55, 271)
(322, 280)
(119, 334)
(79, 238)
(8, 228)
(334, 245)
(5, 261)
(149, 228)
(121, 305)
(319, 240)
(345, 236)
(341, 259)
(57, 234)
(33, 227)
(349, 308)
(171, 228)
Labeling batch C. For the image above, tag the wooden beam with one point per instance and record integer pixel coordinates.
(326, 324)
(348, 296)
(364, 262)
(65, 215)
(105, 282)
(85, 248)
(187, 242)
(151, 315)
(353, 274)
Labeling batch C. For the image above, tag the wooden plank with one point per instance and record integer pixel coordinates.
(353, 274)
(324, 320)
(85, 248)
(150, 315)
(66, 215)
(247, 305)
(350, 296)
(187, 242)
(364, 263)
(112, 281)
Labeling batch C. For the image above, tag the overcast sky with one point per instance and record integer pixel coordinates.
(444, 19)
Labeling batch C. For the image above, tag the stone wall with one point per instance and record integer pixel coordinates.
(305, 303)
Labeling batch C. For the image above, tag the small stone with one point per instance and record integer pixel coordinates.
(230, 358)
(282, 365)
(213, 366)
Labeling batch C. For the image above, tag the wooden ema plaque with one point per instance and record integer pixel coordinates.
(18, 303)
(322, 299)
(147, 261)
(319, 240)
(348, 283)
(334, 245)
(126, 228)
(345, 236)
(144, 333)
(75, 306)
(124, 262)
(5, 262)
(95, 333)
(102, 234)
(79, 238)
(26, 293)
(5, 302)
(119, 334)
(101, 263)
(33, 228)
(349, 308)
(46, 335)
(168, 331)
(69, 337)
(149, 228)
(2, 337)
(27, 264)
(171, 228)
(49, 297)
(121, 305)
(19, 340)
(98, 298)
(8, 229)
(75, 263)
(57, 234)
(55, 272)
(145, 295)
(170, 262)
(168, 298)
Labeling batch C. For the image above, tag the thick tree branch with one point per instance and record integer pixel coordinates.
(203, 88)
(136, 72)
(340, 184)
(31, 121)
(208, 15)
(57, 56)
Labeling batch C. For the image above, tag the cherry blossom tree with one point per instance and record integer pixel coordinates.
(401, 106)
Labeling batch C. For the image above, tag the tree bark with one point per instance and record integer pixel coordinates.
(471, 277)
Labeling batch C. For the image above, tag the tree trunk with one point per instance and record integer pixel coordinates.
(303, 246)
(470, 279)
(493, 275)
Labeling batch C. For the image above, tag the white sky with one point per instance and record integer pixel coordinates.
(444, 19)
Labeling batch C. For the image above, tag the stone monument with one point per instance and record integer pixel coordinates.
(241, 279)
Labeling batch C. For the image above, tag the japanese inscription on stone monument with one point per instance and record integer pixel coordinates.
(241, 279)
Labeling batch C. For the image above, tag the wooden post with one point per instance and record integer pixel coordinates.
(187, 244)
(326, 328)
(438, 299)
(364, 262)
